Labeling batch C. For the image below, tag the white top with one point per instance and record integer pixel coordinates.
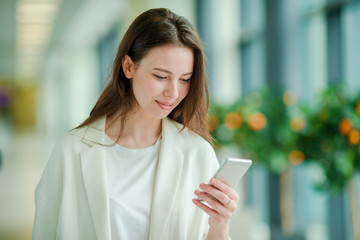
(72, 197)
(131, 179)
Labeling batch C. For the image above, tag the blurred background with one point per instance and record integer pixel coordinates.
(284, 82)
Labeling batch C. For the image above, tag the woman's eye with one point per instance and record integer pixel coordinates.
(186, 80)
(159, 77)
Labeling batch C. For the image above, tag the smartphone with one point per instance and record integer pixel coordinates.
(232, 170)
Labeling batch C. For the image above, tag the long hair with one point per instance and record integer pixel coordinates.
(154, 28)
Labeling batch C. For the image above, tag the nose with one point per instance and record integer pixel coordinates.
(171, 90)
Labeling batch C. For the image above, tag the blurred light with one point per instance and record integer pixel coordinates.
(297, 124)
(34, 17)
(289, 98)
(233, 120)
(32, 40)
(345, 126)
(36, 7)
(34, 23)
(39, 28)
(354, 137)
(257, 121)
(296, 157)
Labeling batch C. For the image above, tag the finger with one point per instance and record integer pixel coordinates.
(213, 203)
(208, 196)
(229, 191)
(223, 210)
(218, 208)
(206, 209)
(215, 193)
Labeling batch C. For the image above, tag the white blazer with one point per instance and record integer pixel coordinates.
(72, 200)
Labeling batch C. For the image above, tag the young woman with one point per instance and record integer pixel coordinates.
(132, 169)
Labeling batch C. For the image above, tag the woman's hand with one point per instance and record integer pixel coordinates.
(223, 201)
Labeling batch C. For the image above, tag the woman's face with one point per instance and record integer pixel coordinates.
(161, 80)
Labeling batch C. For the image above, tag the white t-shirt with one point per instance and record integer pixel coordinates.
(131, 179)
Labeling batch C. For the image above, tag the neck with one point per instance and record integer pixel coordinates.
(139, 132)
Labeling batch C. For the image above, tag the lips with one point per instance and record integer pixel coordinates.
(165, 105)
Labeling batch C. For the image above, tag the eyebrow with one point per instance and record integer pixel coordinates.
(169, 72)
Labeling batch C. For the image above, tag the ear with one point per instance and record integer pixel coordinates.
(128, 67)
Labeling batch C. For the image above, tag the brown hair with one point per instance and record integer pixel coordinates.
(153, 28)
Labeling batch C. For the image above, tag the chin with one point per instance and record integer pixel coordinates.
(163, 115)
(159, 116)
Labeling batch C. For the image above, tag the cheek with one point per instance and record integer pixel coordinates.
(144, 85)
(154, 88)
(184, 91)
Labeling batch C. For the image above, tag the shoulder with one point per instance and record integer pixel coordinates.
(199, 155)
(82, 138)
(68, 141)
(187, 136)
(71, 142)
(189, 142)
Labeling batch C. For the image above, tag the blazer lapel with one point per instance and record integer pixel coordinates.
(167, 180)
(94, 174)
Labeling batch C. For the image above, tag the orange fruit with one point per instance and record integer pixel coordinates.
(233, 120)
(345, 126)
(297, 124)
(296, 157)
(257, 121)
(354, 137)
